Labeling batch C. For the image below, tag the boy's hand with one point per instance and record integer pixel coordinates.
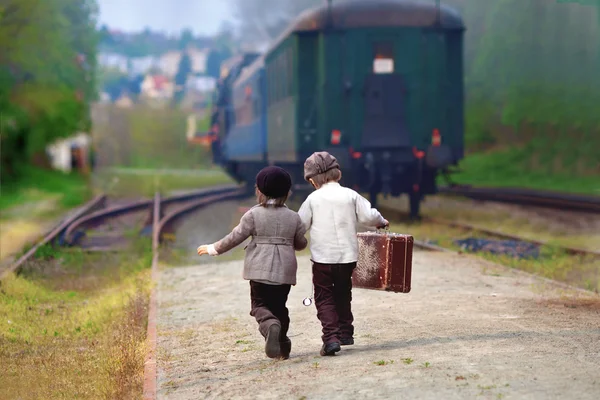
(385, 224)
(202, 250)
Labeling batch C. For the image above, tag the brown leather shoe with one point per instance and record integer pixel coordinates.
(347, 341)
(286, 348)
(330, 349)
(272, 348)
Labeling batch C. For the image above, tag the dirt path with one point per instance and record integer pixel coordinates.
(468, 329)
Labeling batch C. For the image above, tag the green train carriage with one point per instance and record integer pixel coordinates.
(379, 84)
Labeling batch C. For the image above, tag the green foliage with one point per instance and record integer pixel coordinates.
(533, 85)
(48, 57)
(183, 72)
(214, 60)
(523, 167)
(36, 184)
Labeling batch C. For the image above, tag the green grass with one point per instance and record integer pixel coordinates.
(73, 325)
(145, 137)
(515, 168)
(37, 184)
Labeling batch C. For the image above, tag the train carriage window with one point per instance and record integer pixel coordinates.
(383, 58)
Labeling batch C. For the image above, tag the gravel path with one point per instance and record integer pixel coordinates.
(468, 329)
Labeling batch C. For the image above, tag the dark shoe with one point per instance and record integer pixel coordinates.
(286, 348)
(330, 349)
(272, 348)
(347, 341)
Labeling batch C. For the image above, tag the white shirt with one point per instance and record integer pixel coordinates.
(331, 215)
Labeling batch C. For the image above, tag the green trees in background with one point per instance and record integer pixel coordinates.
(47, 75)
(183, 72)
(533, 80)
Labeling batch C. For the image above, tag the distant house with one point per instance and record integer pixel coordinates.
(113, 61)
(142, 65)
(124, 101)
(202, 84)
(61, 154)
(157, 87)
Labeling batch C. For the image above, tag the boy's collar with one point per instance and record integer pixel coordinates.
(331, 184)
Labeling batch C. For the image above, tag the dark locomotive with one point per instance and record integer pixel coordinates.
(378, 83)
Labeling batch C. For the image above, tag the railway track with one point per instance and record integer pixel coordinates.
(528, 197)
(399, 215)
(159, 215)
(87, 226)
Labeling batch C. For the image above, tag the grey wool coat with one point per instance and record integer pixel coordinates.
(277, 232)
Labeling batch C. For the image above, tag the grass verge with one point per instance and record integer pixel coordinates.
(551, 226)
(73, 325)
(516, 168)
(38, 185)
(580, 271)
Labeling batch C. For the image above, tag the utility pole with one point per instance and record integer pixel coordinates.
(329, 16)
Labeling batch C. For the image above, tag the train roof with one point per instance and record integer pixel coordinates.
(372, 14)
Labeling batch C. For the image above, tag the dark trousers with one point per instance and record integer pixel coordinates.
(268, 307)
(333, 295)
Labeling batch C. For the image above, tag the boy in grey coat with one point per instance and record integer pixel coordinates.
(270, 263)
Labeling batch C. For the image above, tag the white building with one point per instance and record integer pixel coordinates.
(113, 61)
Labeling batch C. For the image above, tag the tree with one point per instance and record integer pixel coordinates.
(213, 63)
(186, 38)
(183, 71)
(47, 50)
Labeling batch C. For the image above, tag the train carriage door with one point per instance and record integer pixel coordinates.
(384, 90)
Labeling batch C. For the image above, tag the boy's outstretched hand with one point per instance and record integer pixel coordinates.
(202, 250)
(385, 225)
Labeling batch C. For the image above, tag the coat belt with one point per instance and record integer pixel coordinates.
(273, 240)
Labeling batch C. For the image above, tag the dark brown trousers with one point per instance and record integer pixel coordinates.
(333, 295)
(268, 307)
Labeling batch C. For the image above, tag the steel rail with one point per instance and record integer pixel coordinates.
(539, 198)
(98, 218)
(150, 372)
(400, 215)
(57, 232)
(206, 198)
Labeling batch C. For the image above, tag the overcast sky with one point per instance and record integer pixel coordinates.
(202, 16)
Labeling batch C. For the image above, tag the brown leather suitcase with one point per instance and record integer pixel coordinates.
(384, 261)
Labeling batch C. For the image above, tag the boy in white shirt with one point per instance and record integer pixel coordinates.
(331, 214)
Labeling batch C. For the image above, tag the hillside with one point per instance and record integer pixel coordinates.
(533, 91)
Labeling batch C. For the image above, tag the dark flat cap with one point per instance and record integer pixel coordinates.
(274, 181)
(318, 163)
